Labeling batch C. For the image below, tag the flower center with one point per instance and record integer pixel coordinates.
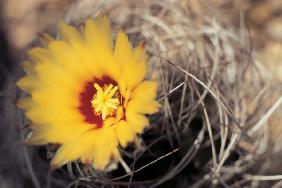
(105, 102)
(89, 93)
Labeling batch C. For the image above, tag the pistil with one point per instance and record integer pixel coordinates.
(104, 101)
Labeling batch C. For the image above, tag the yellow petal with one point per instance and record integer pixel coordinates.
(99, 40)
(57, 116)
(139, 53)
(132, 74)
(69, 33)
(145, 91)
(105, 27)
(87, 157)
(25, 103)
(55, 76)
(77, 52)
(28, 83)
(46, 38)
(131, 61)
(151, 107)
(98, 34)
(105, 147)
(38, 136)
(39, 54)
(125, 133)
(138, 106)
(74, 149)
(59, 130)
(142, 98)
(137, 121)
(60, 134)
(67, 61)
(123, 49)
(28, 67)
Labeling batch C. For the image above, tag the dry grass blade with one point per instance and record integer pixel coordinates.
(264, 118)
(262, 178)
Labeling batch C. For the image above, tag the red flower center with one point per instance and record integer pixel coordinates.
(86, 96)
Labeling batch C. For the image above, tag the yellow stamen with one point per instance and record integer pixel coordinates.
(103, 101)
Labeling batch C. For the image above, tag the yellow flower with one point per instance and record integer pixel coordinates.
(87, 94)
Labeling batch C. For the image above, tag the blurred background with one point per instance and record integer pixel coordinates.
(23, 20)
